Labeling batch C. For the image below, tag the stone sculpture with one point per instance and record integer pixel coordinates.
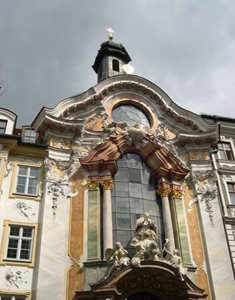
(116, 258)
(146, 249)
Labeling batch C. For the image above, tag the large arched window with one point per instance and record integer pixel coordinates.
(133, 193)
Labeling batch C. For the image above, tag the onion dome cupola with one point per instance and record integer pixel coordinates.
(112, 59)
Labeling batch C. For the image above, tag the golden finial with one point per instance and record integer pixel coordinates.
(110, 33)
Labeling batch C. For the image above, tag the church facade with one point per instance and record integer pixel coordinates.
(117, 193)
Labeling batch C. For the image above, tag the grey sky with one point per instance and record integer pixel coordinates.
(186, 47)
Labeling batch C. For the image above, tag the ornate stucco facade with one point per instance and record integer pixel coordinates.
(99, 162)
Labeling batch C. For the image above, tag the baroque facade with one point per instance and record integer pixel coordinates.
(117, 193)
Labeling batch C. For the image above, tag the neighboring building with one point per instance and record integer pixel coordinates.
(104, 167)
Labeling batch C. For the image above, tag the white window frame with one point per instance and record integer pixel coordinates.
(28, 177)
(4, 128)
(229, 192)
(13, 297)
(20, 238)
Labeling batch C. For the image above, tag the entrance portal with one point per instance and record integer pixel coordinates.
(142, 296)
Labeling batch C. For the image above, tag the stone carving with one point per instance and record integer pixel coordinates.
(146, 249)
(145, 241)
(15, 278)
(135, 135)
(202, 175)
(117, 258)
(25, 209)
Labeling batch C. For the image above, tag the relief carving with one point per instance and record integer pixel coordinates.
(25, 209)
(206, 189)
(15, 278)
(58, 181)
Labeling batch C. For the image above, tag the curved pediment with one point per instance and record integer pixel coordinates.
(102, 98)
(159, 279)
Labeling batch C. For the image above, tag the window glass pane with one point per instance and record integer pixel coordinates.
(32, 191)
(33, 182)
(20, 189)
(11, 253)
(27, 232)
(130, 114)
(13, 243)
(25, 254)
(34, 172)
(21, 180)
(134, 175)
(23, 170)
(14, 231)
(131, 199)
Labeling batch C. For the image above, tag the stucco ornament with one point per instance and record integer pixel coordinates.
(58, 185)
(25, 209)
(9, 167)
(117, 258)
(145, 241)
(206, 189)
(135, 135)
(15, 278)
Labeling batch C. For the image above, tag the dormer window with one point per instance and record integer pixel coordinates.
(3, 126)
(115, 65)
(28, 135)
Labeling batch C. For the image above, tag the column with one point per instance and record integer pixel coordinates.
(164, 190)
(107, 214)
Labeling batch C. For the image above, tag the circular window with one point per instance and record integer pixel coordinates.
(131, 115)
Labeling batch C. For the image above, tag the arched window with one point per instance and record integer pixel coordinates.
(115, 65)
(133, 194)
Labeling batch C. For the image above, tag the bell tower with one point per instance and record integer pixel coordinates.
(110, 58)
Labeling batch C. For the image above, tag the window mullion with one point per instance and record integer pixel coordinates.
(20, 243)
(27, 181)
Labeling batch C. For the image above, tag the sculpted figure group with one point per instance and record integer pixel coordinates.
(146, 248)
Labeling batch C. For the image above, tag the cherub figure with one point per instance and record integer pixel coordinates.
(116, 258)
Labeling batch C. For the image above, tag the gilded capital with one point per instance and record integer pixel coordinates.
(163, 189)
(176, 191)
(93, 184)
(107, 184)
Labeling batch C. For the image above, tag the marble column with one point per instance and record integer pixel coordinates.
(107, 214)
(164, 190)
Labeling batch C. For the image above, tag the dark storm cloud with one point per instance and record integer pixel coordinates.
(184, 46)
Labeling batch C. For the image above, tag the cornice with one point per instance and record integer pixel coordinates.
(16, 147)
